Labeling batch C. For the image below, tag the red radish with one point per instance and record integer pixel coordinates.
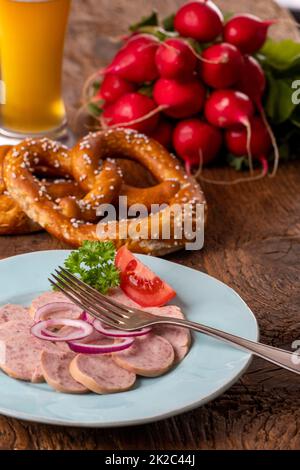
(135, 62)
(113, 87)
(163, 133)
(227, 108)
(180, 99)
(222, 66)
(201, 20)
(253, 84)
(236, 139)
(247, 32)
(252, 81)
(193, 139)
(132, 110)
(175, 59)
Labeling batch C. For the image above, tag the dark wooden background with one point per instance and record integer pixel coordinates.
(252, 244)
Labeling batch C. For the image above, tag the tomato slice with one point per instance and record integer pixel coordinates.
(140, 283)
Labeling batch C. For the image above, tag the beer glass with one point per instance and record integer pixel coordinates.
(32, 36)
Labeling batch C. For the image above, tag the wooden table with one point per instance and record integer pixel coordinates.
(252, 244)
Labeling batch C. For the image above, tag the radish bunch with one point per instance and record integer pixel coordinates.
(196, 90)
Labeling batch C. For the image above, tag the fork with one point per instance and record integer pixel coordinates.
(119, 316)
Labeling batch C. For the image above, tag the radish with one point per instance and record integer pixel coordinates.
(113, 87)
(253, 84)
(175, 59)
(201, 20)
(135, 62)
(163, 133)
(195, 140)
(222, 66)
(247, 32)
(132, 110)
(261, 144)
(227, 108)
(179, 99)
(252, 80)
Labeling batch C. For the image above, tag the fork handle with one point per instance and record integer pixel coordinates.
(280, 357)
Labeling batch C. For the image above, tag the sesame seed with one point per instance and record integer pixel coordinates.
(87, 159)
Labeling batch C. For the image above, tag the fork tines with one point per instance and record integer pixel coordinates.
(98, 305)
(83, 296)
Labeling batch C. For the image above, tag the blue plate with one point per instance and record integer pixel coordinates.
(210, 367)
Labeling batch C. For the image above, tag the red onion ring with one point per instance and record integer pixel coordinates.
(53, 307)
(119, 333)
(39, 330)
(83, 348)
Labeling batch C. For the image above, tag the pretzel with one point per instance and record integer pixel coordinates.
(12, 218)
(94, 166)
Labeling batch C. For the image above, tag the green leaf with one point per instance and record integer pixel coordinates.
(281, 55)
(279, 103)
(238, 163)
(197, 46)
(150, 20)
(96, 87)
(228, 15)
(168, 22)
(146, 90)
(94, 264)
(158, 32)
(95, 108)
(284, 151)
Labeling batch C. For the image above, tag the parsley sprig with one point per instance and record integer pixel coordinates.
(94, 264)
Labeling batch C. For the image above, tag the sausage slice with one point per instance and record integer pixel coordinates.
(46, 298)
(100, 374)
(55, 368)
(20, 352)
(179, 337)
(149, 356)
(14, 328)
(20, 357)
(11, 312)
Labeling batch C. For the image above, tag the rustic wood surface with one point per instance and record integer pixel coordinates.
(252, 244)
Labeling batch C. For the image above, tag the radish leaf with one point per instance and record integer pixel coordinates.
(168, 23)
(151, 20)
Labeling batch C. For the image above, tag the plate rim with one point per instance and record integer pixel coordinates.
(153, 418)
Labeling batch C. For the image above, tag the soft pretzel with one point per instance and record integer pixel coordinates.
(135, 174)
(12, 219)
(93, 166)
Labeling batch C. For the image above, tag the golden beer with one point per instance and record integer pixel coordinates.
(31, 50)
